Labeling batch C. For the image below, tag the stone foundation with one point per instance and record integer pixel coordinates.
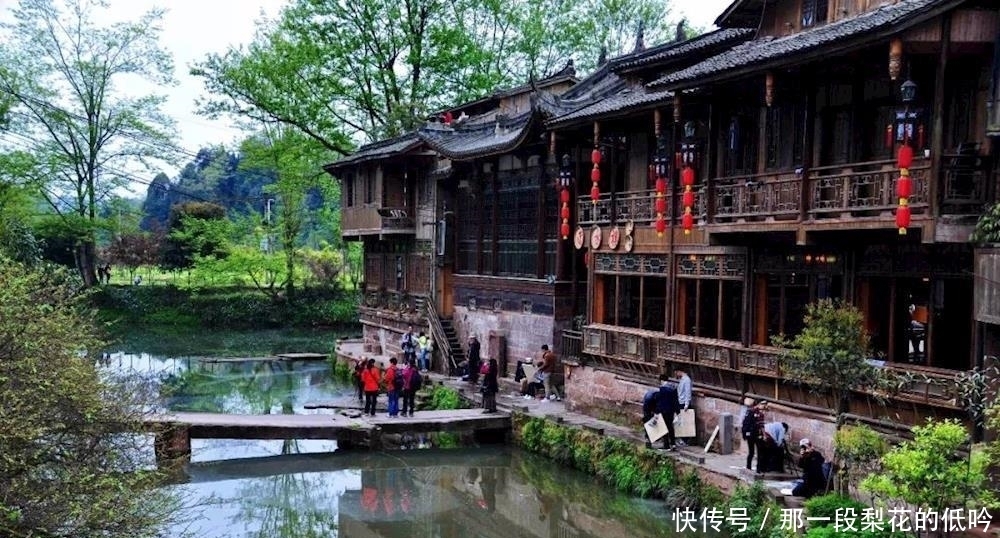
(608, 396)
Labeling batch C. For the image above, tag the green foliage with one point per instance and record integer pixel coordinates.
(977, 389)
(627, 467)
(335, 70)
(859, 450)
(831, 352)
(987, 229)
(223, 307)
(446, 440)
(197, 229)
(692, 492)
(826, 506)
(930, 471)
(443, 397)
(761, 509)
(342, 371)
(61, 473)
(69, 64)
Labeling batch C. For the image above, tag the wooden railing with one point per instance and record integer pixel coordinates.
(760, 197)
(647, 353)
(864, 189)
(637, 206)
(366, 220)
(440, 339)
(572, 345)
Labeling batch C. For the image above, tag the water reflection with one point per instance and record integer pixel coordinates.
(481, 492)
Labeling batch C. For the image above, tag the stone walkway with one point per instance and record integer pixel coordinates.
(721, 470)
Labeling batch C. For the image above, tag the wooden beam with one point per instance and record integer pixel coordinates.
(495, 185)
(937, 113)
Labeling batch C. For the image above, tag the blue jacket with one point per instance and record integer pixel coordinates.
(667, 404)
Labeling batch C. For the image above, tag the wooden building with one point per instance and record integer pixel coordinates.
(790, 139)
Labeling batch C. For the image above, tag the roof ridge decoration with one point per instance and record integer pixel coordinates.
(674, 49)
(763, 52)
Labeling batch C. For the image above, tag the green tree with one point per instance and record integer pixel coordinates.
(296, 161)
(831, 352)
(371, 69)
(63, 455)
(931, 472)
(196, 229)
(61, 70)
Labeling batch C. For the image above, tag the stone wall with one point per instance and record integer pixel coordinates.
(524, 333)
(608, 396)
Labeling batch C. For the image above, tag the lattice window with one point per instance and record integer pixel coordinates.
(373, 269)
(517, 225)
(469, 214)
(348, 190)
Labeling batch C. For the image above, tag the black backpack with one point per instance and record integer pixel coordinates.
(416, 380)
(397, 380)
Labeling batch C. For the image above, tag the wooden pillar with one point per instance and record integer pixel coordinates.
(548, 179)
(937, 116)
(495, 185)
(708, 176)
(892, 320)
(480, 190)
(808, 140)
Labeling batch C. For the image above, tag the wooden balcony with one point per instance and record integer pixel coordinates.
(644, 354)
(756, 198)
(371, 220)
(864, 190)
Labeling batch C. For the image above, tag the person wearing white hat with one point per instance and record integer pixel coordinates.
(813, 476)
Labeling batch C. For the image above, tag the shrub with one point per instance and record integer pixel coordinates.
(445, 398)
(826, 506)
(858, 449)
(761, 510)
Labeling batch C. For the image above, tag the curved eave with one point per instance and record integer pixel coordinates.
(842, 45)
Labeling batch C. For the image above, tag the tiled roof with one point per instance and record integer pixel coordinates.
(625, 99)
(378, 150)
(765, 51)
(478, 140)
(668, 51)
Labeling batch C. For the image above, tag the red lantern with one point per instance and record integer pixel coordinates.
(595, 194)
(688, 199)
(565, 230)
(687, 222)
(564, 214)
(595, 174)
(904, 187)
(564, 196)
(595, 156)
(661, 205)
(661, 185)
(687, 176)
(903, 218)
(905, 157)
(661, 226)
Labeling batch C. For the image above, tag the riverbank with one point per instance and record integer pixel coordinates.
(227, 307)
(723, 472)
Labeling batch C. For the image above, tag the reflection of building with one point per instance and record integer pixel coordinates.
(465, 502)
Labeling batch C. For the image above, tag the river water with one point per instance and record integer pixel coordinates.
(306, 488)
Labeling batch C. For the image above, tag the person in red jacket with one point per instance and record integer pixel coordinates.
(392, 388)
(370, 378)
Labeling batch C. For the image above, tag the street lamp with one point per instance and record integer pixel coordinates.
(908, 91)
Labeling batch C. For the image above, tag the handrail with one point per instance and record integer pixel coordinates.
(437, 333)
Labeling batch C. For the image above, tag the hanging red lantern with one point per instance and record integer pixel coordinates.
(661, 186)
(661, 204)
(564, 196)
(688, 199)
(687, 222)
(661, 226)
(687, 176)
(565, 230)
(903, 218)
(564, 214)
(595, 175)
(904, 159)
(904, 187)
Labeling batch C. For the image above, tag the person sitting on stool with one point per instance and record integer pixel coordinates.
(813, 478)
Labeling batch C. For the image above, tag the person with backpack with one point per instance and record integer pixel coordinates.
(412, 381)
(393, 386)
(371, 378)
(409, 345)
(753, 421)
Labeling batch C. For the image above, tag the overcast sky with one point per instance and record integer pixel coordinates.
(194, 28)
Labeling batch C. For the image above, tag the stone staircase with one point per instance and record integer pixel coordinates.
(453, 343)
